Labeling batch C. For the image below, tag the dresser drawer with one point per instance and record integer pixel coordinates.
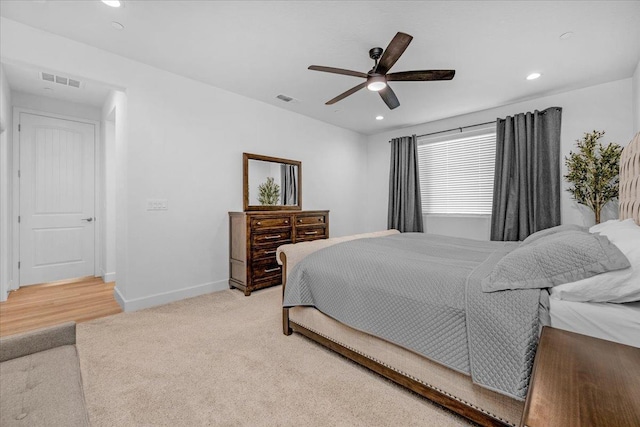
(310, 219)
(265, 269)
(264, 282)
(272, 238)
(258, 223)
(310, 233)
(264, 252)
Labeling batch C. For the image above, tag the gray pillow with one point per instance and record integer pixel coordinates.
(555, 259)
(553, 230)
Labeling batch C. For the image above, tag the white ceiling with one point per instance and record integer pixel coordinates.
(261, 49)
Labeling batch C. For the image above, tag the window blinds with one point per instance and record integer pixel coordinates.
(456, 173)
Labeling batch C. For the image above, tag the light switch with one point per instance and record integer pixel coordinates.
(157, 204)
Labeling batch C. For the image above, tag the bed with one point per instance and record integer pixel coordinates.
(461, 382)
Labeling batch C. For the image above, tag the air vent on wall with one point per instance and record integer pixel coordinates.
(65, 81)
(48, 77)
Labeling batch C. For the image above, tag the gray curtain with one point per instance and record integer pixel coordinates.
(289, 184)
(405, 205)
(526, 188)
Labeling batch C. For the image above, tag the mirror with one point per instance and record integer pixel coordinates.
(271, 183)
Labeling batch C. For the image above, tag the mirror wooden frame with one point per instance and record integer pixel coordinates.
(245, 183)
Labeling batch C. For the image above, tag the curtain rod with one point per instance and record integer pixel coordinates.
(460, 128)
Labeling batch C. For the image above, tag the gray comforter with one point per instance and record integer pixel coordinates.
(423, 292)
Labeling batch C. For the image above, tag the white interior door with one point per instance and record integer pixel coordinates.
(56, 199)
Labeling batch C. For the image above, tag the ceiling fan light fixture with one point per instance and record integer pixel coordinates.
(112, 3)
(376, 83)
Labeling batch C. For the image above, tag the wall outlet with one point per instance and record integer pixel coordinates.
(157, 204)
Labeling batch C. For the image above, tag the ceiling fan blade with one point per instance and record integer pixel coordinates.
(393, 52)
(337, 71)
(422, 75)
(347, 93)
(389, 97)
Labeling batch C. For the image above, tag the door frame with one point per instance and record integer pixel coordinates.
(97, 184)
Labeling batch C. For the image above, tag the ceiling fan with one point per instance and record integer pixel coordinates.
(378, 76)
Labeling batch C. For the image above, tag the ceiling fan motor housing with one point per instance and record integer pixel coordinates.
(375, 53)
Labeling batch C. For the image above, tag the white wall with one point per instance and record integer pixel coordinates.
(184, 142)
(107, 222)
(605, 107)
(55, 106)
(636, 99)
(6, 181)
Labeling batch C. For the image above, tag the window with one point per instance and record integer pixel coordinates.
(456, 172)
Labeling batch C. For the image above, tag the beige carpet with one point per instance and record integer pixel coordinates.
(221, 359)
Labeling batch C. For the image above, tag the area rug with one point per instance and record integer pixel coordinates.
(221, 360)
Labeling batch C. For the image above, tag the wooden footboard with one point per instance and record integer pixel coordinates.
(432, 393)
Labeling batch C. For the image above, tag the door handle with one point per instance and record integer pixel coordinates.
(87, 219)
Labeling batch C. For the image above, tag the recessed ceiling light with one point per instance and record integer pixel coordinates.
(112, 3)
(379, 117)
(533, 76)
(566, 35)
(117, 25)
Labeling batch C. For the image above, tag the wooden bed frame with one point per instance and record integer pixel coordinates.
(438, 391)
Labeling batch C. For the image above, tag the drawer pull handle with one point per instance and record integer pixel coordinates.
(300, 220)
(272, 270)
(311, 232)
(320, 219)
(286, 221)
(270, 252)
(272, 237)
(259, 223)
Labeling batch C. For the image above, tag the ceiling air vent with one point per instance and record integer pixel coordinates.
(285, 98)
(61, 80)
(48, 77)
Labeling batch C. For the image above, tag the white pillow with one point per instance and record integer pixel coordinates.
(612, 223)
(615, 286)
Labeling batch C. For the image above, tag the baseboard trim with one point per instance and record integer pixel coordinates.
(108, 277)
(118, 297)
(4, 294)
(167, 297)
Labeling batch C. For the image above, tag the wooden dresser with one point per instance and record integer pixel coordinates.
(255, 236)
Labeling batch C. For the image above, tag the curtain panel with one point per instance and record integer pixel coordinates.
(405, 204)
(289, 185)
(526, 191)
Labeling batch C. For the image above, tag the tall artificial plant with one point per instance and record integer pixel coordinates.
(593, 171)
(269, 192)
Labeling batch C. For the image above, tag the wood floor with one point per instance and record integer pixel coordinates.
(37, 306)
